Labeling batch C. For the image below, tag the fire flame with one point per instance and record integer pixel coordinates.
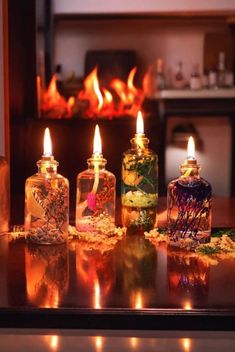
(97, 145)
(47, 143)
(97, 295)
(139, 123)
(191, 148)
(122, 98)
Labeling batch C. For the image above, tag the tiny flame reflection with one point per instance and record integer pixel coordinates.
(139, 123)
(47, 147)
(97, 145)
(138, 301)
(187, 305)
(98, 343)
(134, 342)
(186, 344)
(54, 342)
(97, 295)
(191, 148)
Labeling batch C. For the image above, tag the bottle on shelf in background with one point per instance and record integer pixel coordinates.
(161, 79)
(179, 81)
(221, 73)
(195, 79)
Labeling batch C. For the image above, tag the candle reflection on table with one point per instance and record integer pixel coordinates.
(186, 344)
(98, 343)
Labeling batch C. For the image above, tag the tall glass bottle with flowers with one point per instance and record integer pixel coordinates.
(139, 182)
(189, 205)
(47, 201)
(95, 204)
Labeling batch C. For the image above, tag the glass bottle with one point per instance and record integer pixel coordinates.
(47, 203)
(95, 205)
(189, 207)
(139, 185)
(161, 79)
(179, 81)
(195, 79)
(4, 195)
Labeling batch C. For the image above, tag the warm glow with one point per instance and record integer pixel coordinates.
(138, 301)
(191, 148)
(108, 96)
(186, 344)
(98, 343)
(97, 146)
(97, 295)
(47, 143)
(134, 342)
(70, 105)
(54, 342)
(139, 123)
(187, 305)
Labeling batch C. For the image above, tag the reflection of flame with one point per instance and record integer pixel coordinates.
(134, 342)
(187, 305)
(186, 344)
(98, 343)
(138, 300)
(54, 342)
(97, 295)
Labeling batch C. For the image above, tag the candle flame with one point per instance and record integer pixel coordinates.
(139, 123)
(47, 143)
(97, 146)
(191, 148)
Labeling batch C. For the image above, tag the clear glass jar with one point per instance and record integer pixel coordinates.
(95, 204)
(139, 185)
(4, 195)
(47, 204)
(189, 208)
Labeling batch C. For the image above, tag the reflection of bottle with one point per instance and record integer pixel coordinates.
(189, 206)
(4, 195)
(95, 206)
(139, 185)
(136, 269)
(46, 269)
(188, 278)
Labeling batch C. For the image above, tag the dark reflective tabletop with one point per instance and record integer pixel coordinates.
(129, 277)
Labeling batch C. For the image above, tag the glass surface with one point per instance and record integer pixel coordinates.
(131, 273)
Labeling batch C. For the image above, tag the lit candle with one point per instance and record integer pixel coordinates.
(140, 136)
(47, 200)
(190, 162)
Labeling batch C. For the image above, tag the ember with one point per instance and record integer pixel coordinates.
(120, 98)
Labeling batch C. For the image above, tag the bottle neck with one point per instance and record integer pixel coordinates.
(96, 162)
(139, 143)
(190, 169)
(47, 165)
